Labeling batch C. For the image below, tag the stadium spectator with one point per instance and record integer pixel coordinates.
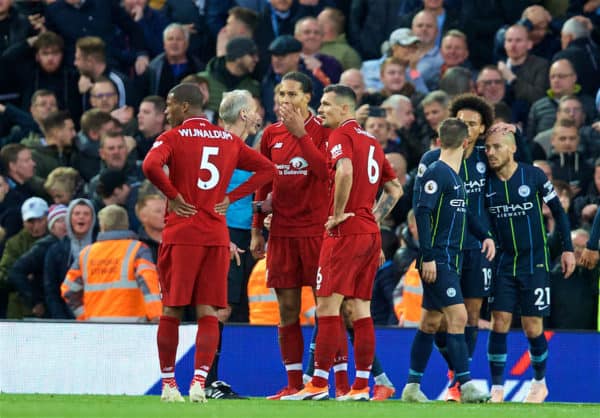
(325, 68)
(64, 184)
(490, 84)
(27, 273)
(586, 206)
(90, 61)
(104, 96)
(47, 70)
(574, 303)
(526, 75)
(95, 287)
(447, 18)
(425, 27)
(233, 71)
(581, 51)
(28, 125)
(151, 123)
(457, 81)
(113, 153)
(23, 184)
(150, 210)
(454, 50)
(175, 62)
(76, 19)
(112, 189)
(333, 22)
(241, 23)
(285, 58)
(400, 115)
(34, 212)
(151, 21)
(566, 160)
(378, 126)
(563, 82)
(435, 109)
(203, 85)
(94, 124)
(81, 220)
(55, 150)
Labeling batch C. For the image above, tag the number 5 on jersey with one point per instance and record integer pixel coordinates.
(205, 164)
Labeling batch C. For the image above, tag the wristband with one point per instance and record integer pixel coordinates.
(259, 207)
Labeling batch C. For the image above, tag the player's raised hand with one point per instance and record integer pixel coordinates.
(235, 252)
(589, 258)
(221, 208)
(181, 207)
(292, 119)
(567, 262)
(429, 271)
(488, 247)
(334, 221)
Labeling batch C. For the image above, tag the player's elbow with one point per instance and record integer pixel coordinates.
(344, 168)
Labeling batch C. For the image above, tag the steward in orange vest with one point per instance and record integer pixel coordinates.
(115, 278)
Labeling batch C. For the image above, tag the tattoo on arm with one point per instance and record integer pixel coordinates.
(384, 206)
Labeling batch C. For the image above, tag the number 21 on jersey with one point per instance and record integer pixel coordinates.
(212, 169)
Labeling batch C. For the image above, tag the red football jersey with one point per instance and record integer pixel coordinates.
(370, 170)
(201, 158)
(299, 190)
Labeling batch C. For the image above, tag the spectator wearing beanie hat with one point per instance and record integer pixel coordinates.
(231, 72)
(27, 274)
(34, 213)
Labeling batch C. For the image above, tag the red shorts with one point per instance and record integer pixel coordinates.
(292, 261)
(348, 265)
(193, 275)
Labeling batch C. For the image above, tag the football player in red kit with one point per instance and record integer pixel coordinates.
(297, 145)
(193, 258)
(350, 253)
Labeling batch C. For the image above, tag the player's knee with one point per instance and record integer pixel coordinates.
(533, 329)
(457, 322)
(501, 322)
(289, 312)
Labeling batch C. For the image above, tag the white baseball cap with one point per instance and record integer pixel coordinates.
(404, 37)
(34, 208)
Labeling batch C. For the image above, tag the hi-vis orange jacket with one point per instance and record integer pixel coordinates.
(113, 279)
(408, 297)
(262, 301)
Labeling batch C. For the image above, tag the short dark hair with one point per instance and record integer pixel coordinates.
(49, 39)
(92, 46)
(562, 186)
(157, 101)
(10, 153)
(41, 93)
(476, 104)
(93, 119)
(564, 123)
(247, 16)
(457, 80)
(55, 120)
(341, 91)
(453, 132)
(303, 79)
(110, 134)
(188, 92)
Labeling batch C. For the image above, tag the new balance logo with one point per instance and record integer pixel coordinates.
(278, 145)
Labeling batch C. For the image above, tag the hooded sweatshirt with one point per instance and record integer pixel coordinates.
(76, 243)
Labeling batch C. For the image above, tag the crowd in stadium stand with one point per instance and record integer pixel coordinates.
(82, 98)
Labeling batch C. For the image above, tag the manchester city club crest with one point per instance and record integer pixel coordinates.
(524, 190)
(451, 292)
(480, 166)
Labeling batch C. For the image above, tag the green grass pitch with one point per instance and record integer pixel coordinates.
(66, 406)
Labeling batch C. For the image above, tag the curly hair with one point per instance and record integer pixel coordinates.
(475, 103)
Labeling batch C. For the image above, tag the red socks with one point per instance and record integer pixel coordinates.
(364, 351)
(167, 339)
(207, 340)
(291, 344)
(340, 362)
(327, 345)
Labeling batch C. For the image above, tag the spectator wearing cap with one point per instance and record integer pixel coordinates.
(324, 67)
(81, 219)
(231, 72)
(27, 274)
(34, 212)
(112, 189)
(170, 67)
(404, 45)
(285, 57)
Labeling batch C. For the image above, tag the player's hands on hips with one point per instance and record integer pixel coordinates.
(589, 258)
(221, 208)
(292, 119)
(257, 244)
(235, 252)
(429, 271)
(334, 221)
(181, 207)
(488, 247)
(567, 262)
